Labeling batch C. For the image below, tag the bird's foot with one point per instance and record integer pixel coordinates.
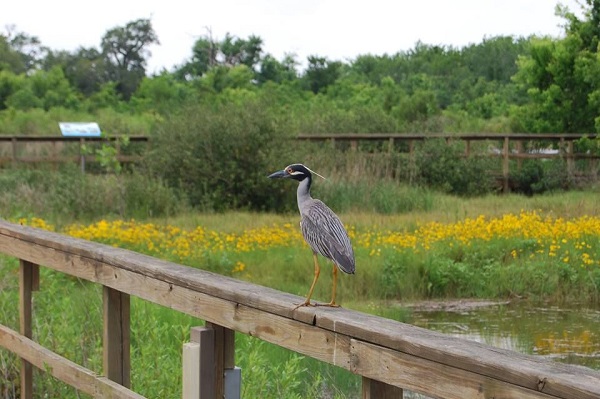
(305, 303)
(330, 304)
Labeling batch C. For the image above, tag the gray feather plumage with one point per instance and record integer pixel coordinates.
(325, 233)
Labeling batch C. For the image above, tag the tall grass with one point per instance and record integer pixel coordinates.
(71, 195)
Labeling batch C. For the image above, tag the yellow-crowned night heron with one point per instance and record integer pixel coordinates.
(321, 228)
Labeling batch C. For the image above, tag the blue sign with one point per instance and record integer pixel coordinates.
(80, 129)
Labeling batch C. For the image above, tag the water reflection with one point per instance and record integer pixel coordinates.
(566, 334)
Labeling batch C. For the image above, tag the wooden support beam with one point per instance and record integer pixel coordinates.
(28, 282)
(191, 371)
(200, 382)
(373, 389)
(224, 355)
(116, 355)
(505, 165)
(570, 158)
(63, 369)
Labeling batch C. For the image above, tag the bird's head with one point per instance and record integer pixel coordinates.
(295, 171)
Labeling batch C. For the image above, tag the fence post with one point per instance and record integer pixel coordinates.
(29, 281)
(373, 389)
(199, 364)
(224, 358)
(116, 357)
(82, 154)
(209, 364)
(505, 165)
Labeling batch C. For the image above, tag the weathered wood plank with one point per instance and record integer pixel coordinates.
(320, 333)
(373, 389)
(116, 350)
(430, 378)
(519, 369)
(205, 338)
(65, 370)
(27, 270)
(224, 354)
(191, 371)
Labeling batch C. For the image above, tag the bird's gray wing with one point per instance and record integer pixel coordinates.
(326, 235)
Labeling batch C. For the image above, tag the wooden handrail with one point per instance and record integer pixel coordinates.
(38, 138)
(460, 136)
(379, 349)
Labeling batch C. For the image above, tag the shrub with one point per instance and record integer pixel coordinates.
(220, 156)
(536, 177)
(442, 165)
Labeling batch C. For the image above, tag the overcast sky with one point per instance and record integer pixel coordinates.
(336, 29)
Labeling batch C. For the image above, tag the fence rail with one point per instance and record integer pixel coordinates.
(510, 146)
(388, 354)
(16, 149)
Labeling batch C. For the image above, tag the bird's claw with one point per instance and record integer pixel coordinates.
(330, 304)
(305, 304)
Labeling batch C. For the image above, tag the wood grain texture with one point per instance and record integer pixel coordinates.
(373, 389)
(338, 336)
(116, 350)
(63, 369)
(191, 371)
(27, 271)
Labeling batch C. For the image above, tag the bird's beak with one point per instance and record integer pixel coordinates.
(279, 175)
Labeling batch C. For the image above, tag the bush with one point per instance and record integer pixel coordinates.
(442, 165)
(220, 156)
(539, 176)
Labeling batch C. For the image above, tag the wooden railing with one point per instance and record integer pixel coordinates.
(509, 146)
(388, 354)
(59, 149)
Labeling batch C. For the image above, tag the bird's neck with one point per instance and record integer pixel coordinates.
(303, 192)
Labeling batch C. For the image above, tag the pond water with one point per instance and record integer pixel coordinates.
(569, 334)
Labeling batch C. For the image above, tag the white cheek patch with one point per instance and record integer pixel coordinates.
(296, 173)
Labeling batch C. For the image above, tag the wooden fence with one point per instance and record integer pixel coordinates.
(509, 146)
(61, 149)
(388, 355)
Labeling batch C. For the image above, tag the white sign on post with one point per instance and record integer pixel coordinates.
(80, 129)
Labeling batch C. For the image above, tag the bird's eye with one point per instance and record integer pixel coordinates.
(289, 170)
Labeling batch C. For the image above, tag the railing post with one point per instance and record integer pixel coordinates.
(209, 364)
(116, 357)
(29, 278)
(224, 359)
(373, 389)
(199, 364)
(13, 141)
(570, 158)
(82, 154)
(505, 165)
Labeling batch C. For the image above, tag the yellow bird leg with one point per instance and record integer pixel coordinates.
(335, 273)
(312, 287)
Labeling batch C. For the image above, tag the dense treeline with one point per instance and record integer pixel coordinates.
(232, 104)
(529, 84)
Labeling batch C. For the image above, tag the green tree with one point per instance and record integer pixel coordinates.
(320, 73)
(277, 71)
(126, 52)
(86, 68)
(232, 51)
(44, 89)
(561, 77)
(20, 52)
